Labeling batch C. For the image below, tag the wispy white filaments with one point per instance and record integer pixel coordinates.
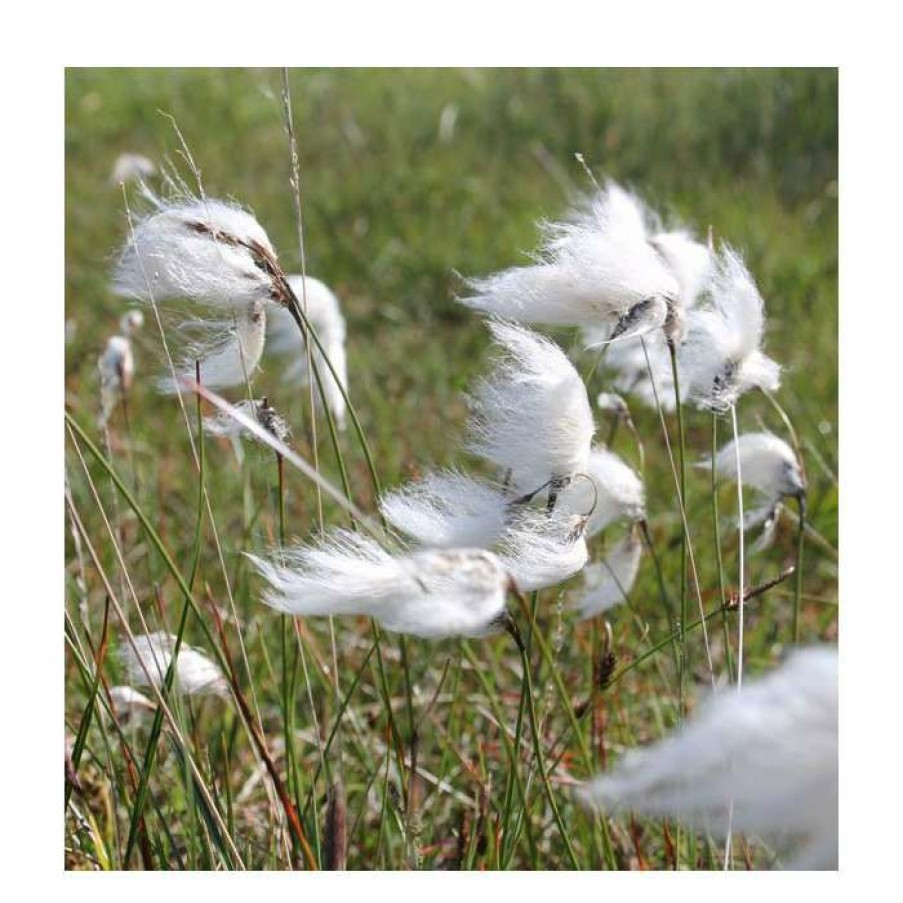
(284, 339)
(532, 418)
(429, 593)
(541, 549)
(595, 270)
(224, 426)
(767, 464)
(721, 357)
(216, 255)
(195, 673)
(608, 583)
(448, 509)
(772, 749)
(611, 491)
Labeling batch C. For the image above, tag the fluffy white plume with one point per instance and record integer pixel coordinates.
(128, 702)
(195, 673)
(229, 351)
(130, 322)
(767, 464)
(689, 260)
(532, 416)
(131, 167)
(447, 509)
(203, 250)
(429, 593)
(607, 583)
(627, 361)
(590, 271)
(611, 490)
(117, 370)
(772, 749)
(721, 357)
(540, 549)
(223, 426)
(284, 339)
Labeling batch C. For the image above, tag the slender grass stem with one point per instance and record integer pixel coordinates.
(798, 589)
(718, 557)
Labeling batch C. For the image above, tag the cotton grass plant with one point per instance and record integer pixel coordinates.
(368, 713)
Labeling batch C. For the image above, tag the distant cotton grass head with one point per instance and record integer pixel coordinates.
(772, 749)
(116, 366)
(608, 583)
(129, 702)
(131, 168)
(430, 593)
(196, 674)
(532, 417)
(721, 357)
(767, 464)
(284, 340)
(214, 254)
(594, 270)
(225, 427)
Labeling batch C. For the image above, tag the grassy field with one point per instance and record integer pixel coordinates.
(409, 178)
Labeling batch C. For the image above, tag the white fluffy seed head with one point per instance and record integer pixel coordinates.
(131, 321)
(771, 749)
(689, 260)
(447, 509)
(116, 365)
(532, 416)
(128, 702)
(202, 250)
(767, 463)
(609, 582)
(540, 549)
(195, 673)
(608, 491)
(590, 271)
(284, 340)
(721, 356)
(430, 593)
(130, 168)
(222, 426)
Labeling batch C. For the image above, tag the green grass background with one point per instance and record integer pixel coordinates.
(391, 213)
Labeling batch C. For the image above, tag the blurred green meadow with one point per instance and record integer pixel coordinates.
(408, 179)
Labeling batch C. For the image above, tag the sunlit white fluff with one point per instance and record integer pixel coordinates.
(532, 416)
(590, 271)
(116, 365)
(229, 351)
(195, 673)
(540, 549)
(689, 260)
(610, 491)
(721, 357)
(429, 593)
(772, 749)
(128, 702)
(608, 583)
(130, 322)
(131, 167)
(284, 339)
(200, 249)
(447, 509)
(767, 464)
(223, 426)
(627, 361)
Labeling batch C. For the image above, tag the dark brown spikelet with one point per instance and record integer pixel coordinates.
(605, 668)
(336, 828)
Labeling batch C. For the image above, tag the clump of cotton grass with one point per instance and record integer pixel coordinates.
(611, 491)
(447, 509)
(542, 549)
(595, 270)
(770, 466)
(532, 417)
(772, 749)
(283, 339)
(131, 167)
(429, 593)
(224, 426)
(214, 254)
(148, 662)
(607, 583)
(721, 357)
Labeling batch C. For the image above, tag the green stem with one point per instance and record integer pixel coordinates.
(718, 559)
(798, 589)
